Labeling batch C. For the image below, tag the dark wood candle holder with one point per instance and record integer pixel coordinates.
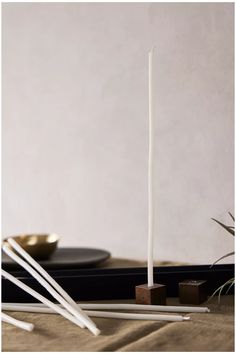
(193, 292)
(150, 295)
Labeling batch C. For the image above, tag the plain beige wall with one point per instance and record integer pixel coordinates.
(75, 125)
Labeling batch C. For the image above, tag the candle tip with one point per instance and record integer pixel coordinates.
(30, 327)
(96, 331)
(186, 318)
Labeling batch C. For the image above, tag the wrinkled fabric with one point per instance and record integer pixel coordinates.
(212, 331)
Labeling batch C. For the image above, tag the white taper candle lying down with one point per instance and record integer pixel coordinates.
(102, 314)
(129, 307)
(150, 175)
(17, 323)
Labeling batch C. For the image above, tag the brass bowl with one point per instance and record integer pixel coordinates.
(39, 246)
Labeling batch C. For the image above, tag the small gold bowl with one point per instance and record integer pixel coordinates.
(39, 246)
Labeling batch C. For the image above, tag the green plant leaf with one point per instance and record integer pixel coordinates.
(230, 286)
(220, 289)
(216, 291)
(225, 256)
(228, 228)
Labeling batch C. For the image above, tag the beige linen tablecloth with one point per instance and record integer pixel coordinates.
(205, 332)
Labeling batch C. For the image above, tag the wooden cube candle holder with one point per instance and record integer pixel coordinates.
(193, 292)
(150, 295)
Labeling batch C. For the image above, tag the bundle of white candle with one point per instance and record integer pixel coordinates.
(70, 309)
(67, 307)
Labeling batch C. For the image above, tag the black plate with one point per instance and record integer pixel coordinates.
(65, 258)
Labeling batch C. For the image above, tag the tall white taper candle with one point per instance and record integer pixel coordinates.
(150, 175)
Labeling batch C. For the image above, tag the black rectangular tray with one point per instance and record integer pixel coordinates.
(114, 283)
